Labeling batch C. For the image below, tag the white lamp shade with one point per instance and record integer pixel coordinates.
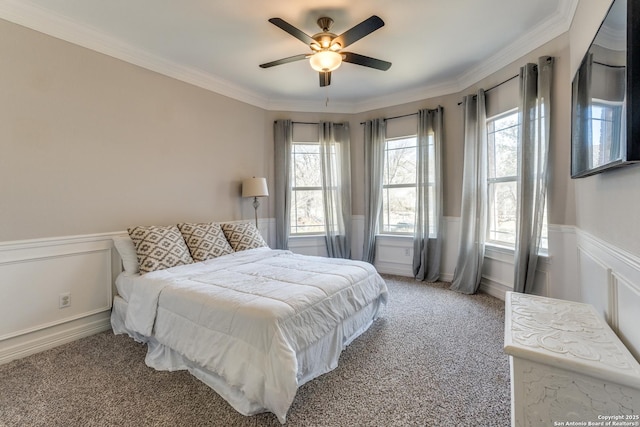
(325, 60)
(255, 187)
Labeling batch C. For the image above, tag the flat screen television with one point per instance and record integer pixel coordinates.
(605, 118)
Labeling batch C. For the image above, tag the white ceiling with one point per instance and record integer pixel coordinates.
(436, 46)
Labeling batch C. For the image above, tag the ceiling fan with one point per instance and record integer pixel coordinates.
(326, 47)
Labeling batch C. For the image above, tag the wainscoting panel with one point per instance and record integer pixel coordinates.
(626, 315)
(308, 245)
(609, 279)
(267, 228)
(555, 273)
(394, 255)
(37, 276)
(595, 283)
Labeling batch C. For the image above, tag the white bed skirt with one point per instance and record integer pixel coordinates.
(315, 360)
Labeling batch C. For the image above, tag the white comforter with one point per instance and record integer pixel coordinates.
(246, 316)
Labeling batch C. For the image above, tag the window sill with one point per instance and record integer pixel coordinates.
(496, 247)
(305, 236)
(509, 250)
(395, 236)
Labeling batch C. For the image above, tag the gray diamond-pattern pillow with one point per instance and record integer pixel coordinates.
(205, 241)
(158, 248)
(243, 236)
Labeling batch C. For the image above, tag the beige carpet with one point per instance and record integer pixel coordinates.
(434, 358)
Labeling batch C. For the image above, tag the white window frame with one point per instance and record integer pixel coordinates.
(293, 226)
(384, 227)
(491, 183)
(544, 243)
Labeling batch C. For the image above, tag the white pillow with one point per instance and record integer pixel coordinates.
(127, 251)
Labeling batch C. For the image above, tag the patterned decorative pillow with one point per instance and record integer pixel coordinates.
(243, 236)
(205, 241)
(158, 248)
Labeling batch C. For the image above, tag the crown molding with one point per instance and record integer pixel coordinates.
(50, 23)
(538, 36)
(27, 14)
(312, 106)
(405, 97)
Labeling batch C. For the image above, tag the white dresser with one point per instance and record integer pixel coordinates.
(568, 368)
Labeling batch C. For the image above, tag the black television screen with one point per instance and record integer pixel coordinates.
(605, 103)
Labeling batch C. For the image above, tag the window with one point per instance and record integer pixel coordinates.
(399, 186)
(502, 179)
(307, 213)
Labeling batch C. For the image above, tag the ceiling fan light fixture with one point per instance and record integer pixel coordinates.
(325, 60)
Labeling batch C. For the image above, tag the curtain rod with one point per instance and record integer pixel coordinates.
(495, 86)
(609, 65)
(308, 123)
(399, 117)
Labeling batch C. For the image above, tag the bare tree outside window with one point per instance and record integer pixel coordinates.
(502, 177)
(307, 214)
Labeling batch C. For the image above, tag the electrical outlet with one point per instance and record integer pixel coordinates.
(64, 300)
(407, 252)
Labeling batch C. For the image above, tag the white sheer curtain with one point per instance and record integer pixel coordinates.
(473, 227)
(335, 163)
(282, 138)
(427, 241)
(533, 148)
(374, 140)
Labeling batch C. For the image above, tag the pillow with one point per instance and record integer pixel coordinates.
(127, 251)
(158, 248)
(243, 236)
(205, 241)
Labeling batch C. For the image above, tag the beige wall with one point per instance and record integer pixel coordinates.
(92, 144)
(607, 204)
(561, 192)
(561, 209)
(451, 151)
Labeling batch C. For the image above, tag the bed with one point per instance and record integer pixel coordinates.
(253, 324)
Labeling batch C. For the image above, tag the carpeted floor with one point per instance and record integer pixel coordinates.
(434, 358)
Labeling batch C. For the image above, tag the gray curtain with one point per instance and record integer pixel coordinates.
(282, 136)
(335, 163)
(374, 140)
(426, 245)
(533, 147)
(473, 218)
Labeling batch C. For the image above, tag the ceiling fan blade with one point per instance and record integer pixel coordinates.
(364, 28)
(325, 78)
(366, 61)
(284, 60)
(282, 24)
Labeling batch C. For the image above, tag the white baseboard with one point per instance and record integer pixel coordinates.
(494, 288)
(446, 277)
(394, 269)
(46, 340)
